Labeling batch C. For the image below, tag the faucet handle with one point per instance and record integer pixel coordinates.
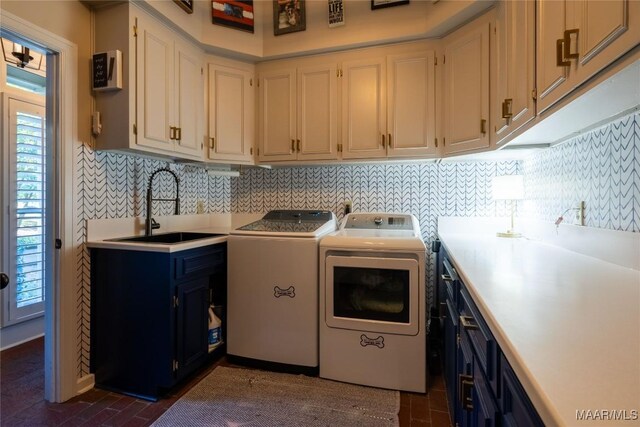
(154, 224)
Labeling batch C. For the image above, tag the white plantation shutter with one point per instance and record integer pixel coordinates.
(26, 213)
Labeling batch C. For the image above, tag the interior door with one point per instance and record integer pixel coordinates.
(26, 242)
(372, 294)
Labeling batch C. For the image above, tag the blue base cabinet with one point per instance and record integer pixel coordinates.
(482, 388)
(149, 316)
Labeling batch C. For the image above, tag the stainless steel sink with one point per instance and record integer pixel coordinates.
(167, 238)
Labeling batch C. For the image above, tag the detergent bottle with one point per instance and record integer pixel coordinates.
(215, 331)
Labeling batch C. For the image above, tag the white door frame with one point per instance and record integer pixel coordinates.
(60, 303)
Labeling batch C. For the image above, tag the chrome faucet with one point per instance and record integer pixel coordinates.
(150, 223)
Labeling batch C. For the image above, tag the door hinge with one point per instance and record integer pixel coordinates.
(436, 142)
(534, 94)
(135, 31)
(176, 365)
(175, 301)
(135, 129)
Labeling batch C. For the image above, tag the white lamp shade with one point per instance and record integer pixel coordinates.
(507, 187)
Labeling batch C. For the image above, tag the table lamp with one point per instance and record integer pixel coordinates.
(508, 187)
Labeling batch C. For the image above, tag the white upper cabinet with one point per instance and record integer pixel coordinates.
(411, 104)
(317, 113)
(160, 108)
(388, 106)
(231, 105)
(363, 108)
(578, 38)
(169, 90)
(298, 114)
(513, 76)
(466, 89)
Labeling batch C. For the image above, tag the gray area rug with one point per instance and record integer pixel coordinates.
(243, 397)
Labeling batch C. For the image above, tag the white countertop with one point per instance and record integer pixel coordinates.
(569, 324)
(164, 247)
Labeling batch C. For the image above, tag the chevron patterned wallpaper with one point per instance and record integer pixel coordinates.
(601, 167)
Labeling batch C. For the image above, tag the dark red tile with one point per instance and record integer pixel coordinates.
(440, 419)
(438, 400)
(133, 410)
(420, 423)
(101, 417)
(122, 402)
(137, 422)
(419, 407)
(98, 406)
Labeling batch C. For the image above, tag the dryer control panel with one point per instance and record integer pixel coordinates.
(378, 221)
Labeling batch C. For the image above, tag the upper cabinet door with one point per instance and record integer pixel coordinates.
(552, 75)
(364, 108)
(513, 99)
(231, 103)
(278, 115)
(466, 92)
(606, 30)
(411, 113)
(154, 82)
(317, 112)
(188, 101)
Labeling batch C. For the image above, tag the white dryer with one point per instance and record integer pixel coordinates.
(373, 302)
(272, 295)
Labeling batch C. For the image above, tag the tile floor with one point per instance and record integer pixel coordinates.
(22, 403)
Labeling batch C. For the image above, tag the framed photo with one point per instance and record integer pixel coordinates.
(288, 16)
(379, 4)
(236, 14)
(336, 13)
(186, 5)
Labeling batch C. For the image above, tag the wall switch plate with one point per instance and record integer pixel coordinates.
(580, 213)
(199, 207)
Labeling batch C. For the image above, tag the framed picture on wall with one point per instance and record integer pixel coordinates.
(234, 14)
(379, 4)
(186, 5)
(288, 16)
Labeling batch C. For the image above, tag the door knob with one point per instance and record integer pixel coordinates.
(4, 280)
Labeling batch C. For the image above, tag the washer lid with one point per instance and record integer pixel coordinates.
(291, 223)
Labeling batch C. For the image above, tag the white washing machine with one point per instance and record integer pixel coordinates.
(272, 295)
(372, 302)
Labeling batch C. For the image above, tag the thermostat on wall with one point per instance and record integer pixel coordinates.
(107, 70)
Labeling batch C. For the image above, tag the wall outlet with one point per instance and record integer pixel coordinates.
(347, 207)
(580, 213)
(199, 207)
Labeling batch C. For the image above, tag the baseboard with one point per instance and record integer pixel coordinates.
(86, 383)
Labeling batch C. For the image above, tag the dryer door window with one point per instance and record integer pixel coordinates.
(372, 294)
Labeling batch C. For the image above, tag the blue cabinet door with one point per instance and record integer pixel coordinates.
(516, 408)
(192, 324)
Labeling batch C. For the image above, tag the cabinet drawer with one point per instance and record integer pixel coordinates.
(199, 262)
(485, 409)
(516, 408)
(450, 280)
(481, 338)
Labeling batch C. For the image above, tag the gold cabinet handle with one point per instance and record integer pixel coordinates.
(560, 61)
(483, 126)
(251, 151)
(465, 390)
(390, 144)
(212, 143)
(293, 146)
(172, 132)
(507, 107)
(298, 145)
(179, 134)
(383, 140)
(567, 44)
